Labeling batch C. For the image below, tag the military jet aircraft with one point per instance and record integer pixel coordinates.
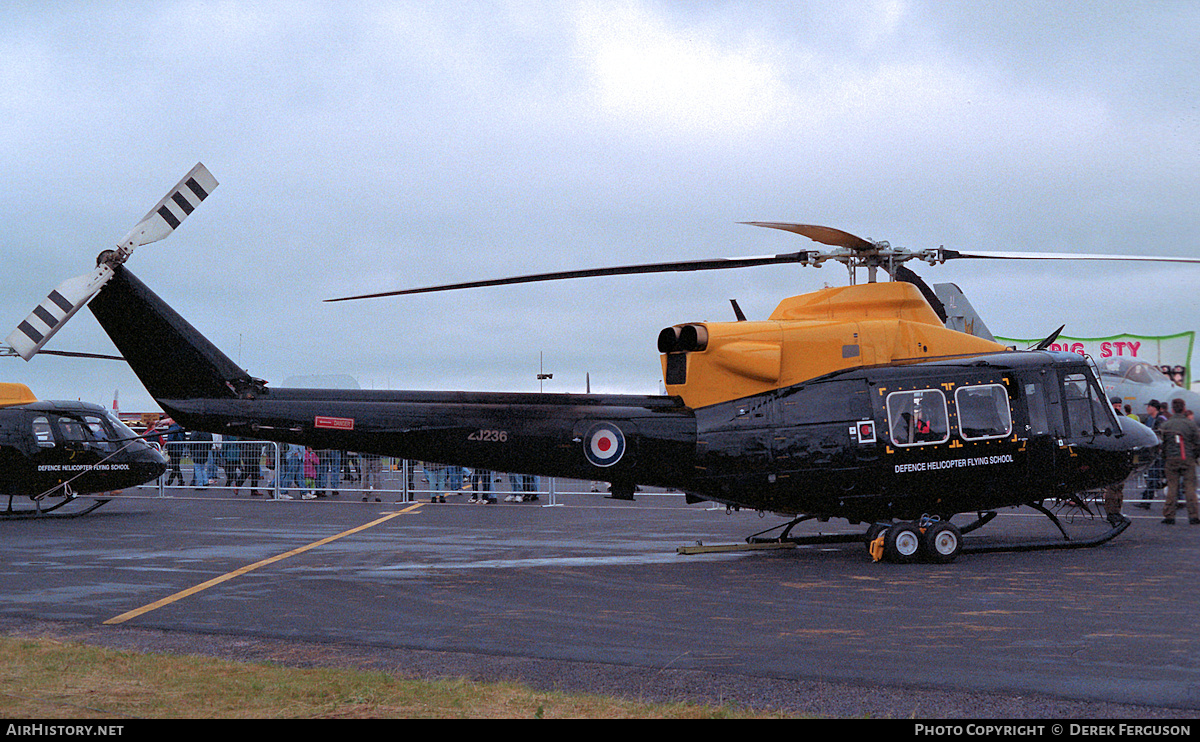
(1137, 383)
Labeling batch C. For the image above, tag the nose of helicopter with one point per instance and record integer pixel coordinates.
(1139, 441)
(145, 462)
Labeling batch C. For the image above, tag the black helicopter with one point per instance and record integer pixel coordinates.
(855, 402)
(55, 452)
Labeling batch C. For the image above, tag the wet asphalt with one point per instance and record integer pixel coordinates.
(584, 592)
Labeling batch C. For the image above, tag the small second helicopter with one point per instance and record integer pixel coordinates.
(55, 452)
(855, 402)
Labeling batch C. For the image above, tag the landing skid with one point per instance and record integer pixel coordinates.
(1115, 529)
(929, 539)
(52, 510)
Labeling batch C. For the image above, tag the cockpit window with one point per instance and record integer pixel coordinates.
(1087, 414)
(101, 427)
(1144, 373)
(98, 427)
(983, 412)
(92, 431)
(1132, 370)
(120, 431)
(917, 418)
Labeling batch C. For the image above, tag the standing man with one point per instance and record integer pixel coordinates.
(1114, 494)
(1181, 441)
(1154, 420)
(177, 435)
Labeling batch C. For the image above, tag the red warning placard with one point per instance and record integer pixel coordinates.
(334, 423)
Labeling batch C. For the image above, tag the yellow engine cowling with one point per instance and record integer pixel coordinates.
(805, 337)
(12, 393)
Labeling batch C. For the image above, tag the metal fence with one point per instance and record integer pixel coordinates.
(1145, 490)
(284, 472)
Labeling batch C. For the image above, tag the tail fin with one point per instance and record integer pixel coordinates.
(172, 359)
(960, 315)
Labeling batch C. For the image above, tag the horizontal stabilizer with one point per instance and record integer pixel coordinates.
(63, 302)
(168, 213)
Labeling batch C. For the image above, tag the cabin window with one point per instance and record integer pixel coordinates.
(72, 429)
(983, 412)
(917, 418)
(43, 433)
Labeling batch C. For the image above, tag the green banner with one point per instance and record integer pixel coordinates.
(1171, 354)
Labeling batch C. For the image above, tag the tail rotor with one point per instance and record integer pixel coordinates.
(73, 294)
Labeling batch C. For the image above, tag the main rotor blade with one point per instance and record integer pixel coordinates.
(988, 255)
(1050, 338)
(824, 235)
(907, 275)
(4, 351)
(621, 270)
(862, 251)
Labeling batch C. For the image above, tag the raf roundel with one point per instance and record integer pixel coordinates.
(604, 444)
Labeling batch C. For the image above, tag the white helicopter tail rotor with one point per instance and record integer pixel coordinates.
(73, 294)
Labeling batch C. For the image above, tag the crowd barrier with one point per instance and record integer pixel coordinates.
(282, 471)
(1145, 490)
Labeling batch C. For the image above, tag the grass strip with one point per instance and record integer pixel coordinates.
(48, 679)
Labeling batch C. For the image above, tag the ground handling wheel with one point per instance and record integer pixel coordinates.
(902, 543)
(941, 542)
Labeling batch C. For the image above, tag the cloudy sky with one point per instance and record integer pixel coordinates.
(378, 145)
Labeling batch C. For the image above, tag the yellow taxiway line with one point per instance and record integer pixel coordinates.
(250, 568)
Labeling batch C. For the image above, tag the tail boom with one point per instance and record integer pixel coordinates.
(623, 439)
(642, 440)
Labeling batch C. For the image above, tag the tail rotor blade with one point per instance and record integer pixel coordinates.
(170, 212)
(73, 294)
(63, 302)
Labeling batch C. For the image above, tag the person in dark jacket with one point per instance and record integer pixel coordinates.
(200, 447)
(1181, 441)
(177, 435)
(1154, 475)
